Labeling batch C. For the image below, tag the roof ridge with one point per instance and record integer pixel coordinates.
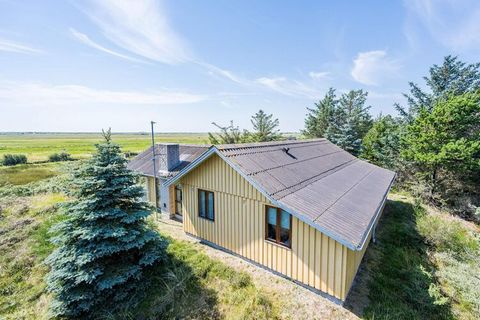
(252, 145)
(320, 176)
(298, 145)
(348, 190)
(205, 145)
(291, 163)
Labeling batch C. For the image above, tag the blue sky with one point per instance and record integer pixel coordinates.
(86, 65)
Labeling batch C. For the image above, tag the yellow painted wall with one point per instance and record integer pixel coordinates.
(150, 187)
(314, 259)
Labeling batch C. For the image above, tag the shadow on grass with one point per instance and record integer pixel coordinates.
(395, 273)
(177, 289)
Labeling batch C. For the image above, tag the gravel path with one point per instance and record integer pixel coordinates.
(299, 302)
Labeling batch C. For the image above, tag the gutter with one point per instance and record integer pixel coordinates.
(376, 217)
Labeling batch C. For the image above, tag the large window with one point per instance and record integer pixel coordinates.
(206, 204)
(278, 226)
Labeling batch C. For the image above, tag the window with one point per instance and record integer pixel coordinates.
(278, 226)
(206, 204)
(159, 191)
(178, 200)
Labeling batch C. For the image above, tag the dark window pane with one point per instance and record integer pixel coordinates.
(271, 232)
(202, 209)
(285, 236)
(210, 205)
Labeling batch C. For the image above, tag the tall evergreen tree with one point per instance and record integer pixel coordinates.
(351, 120)
(104, 247)
(451, 77)
(321, 116)
(265, 128)
(444, 145)
(381, 144)
(346, 137)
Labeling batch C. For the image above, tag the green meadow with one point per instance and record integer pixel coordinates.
(38, 146)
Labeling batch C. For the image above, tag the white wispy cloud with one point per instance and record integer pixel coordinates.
(65, 95)
(288, 87)
(453, 23)
(227, 74)
(86, 40)
(373, 66)
(11, 46)
(318, 75)
(141, 27)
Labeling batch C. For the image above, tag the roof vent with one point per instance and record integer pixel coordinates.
(287, 151)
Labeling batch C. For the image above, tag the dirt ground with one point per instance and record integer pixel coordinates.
(299, 302)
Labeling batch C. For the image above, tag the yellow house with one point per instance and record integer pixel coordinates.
(303, 209)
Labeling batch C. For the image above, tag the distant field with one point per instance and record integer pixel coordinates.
(38, 146)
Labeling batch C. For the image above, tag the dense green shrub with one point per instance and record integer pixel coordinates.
(62, 156)
(130, 154)
(448, 236)
(13, 159)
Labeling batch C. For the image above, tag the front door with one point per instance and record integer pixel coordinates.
(178, 200)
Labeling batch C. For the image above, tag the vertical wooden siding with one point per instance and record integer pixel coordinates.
(150, 190)
(314, 259)
(354, 258)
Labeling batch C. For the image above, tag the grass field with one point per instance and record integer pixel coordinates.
(26, 173)
(38, 146)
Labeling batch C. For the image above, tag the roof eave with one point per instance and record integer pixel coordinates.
(378, 212)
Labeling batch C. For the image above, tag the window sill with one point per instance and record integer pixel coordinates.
(277, 244)
(211, 220)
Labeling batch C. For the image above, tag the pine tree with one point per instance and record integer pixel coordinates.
(265, 127)
(350, 121)
(319, 118)
(451, 77)
(346, 137)
(381, 145)
(104, 247)
(444, 145)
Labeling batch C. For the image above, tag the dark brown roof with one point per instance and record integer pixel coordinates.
(328, 187)
(143, 163)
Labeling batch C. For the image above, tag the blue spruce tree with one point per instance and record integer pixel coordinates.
(104, 247)
(345, 136)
